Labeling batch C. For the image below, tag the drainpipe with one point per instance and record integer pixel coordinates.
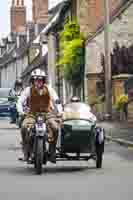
(108, 75)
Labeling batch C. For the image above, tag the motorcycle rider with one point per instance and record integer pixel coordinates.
(13, 97)
(40, 98)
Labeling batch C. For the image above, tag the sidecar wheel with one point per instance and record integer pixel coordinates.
(99, 159)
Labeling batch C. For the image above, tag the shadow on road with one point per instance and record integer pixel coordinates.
(66, 169)
(7, 129)
(25, 170)
(12, 170)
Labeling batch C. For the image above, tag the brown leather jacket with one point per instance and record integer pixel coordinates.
(39, 103)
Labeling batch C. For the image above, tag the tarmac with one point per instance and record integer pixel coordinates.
(119, 132)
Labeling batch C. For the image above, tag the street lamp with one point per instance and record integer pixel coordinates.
(108, 75)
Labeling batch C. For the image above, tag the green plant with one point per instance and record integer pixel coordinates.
(71, 58)
(101, 99)
(120, 102)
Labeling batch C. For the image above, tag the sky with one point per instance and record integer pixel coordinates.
(5, 14)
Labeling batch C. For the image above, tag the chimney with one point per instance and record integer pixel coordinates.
(18, 16)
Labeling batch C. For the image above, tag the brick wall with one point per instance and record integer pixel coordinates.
(120, 30)
(86, 17)
(40, 11)
(91, 13)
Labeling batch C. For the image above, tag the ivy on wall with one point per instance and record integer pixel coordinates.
(71, 59)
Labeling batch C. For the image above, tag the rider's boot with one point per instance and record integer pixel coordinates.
(52, 152)
(52, 147)
(25, 156)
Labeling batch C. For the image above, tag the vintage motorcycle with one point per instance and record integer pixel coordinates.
(36, 141)
(79, 138)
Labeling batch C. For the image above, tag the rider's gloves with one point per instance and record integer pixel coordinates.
(21, 113)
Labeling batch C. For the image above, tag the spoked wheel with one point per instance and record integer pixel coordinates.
(39, 156)
(78, 155)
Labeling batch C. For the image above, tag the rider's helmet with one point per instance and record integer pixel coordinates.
(38, 74)
(75, 99)
(38, 77)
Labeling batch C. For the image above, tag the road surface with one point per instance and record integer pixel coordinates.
(66, 181)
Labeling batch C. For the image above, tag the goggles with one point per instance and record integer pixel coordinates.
(38, 78)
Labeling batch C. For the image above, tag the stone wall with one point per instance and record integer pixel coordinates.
(91, 14)
(93, 70)
(130, 113)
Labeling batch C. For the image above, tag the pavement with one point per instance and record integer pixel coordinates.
(120, 132)
(65, 180)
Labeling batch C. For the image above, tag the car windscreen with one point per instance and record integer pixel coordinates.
(4, 92)
(77, 111)
(77, 107)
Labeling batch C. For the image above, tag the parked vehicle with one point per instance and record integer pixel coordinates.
(4, 103)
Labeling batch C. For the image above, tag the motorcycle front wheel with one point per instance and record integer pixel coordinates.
(38, 156)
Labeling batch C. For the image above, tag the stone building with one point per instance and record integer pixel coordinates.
(37, 47)
(16, 50)
(90, 14)
(13, 48)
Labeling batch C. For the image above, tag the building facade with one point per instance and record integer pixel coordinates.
(19, 55)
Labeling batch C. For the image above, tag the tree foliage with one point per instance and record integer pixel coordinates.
(72, 53)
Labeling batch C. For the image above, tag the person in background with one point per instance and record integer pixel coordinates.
(13, 97)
